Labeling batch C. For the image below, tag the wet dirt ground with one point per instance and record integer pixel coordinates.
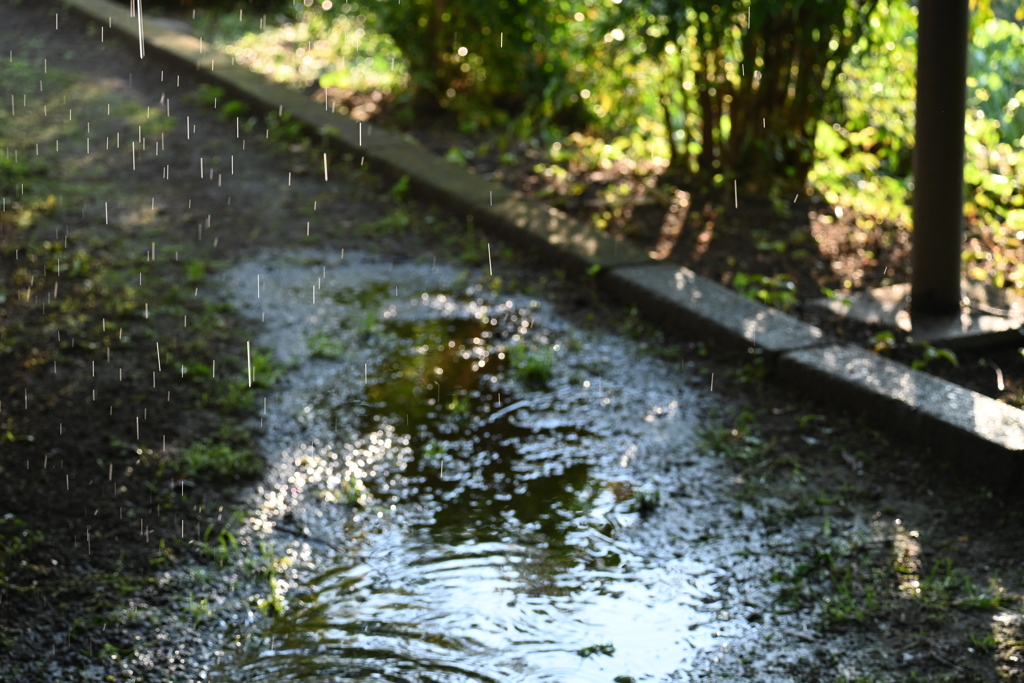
(602, 486)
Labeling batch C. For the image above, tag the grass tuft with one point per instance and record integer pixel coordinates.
(533, 367)
(217, 461)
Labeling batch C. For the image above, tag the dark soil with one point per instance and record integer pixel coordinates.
(117, 270)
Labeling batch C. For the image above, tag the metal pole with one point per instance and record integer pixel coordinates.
(939, 157)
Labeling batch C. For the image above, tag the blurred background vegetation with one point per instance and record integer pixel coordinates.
(808, 97)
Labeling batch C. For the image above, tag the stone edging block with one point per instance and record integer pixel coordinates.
(694, 306)
(985, 437)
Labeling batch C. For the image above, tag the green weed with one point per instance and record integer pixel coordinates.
(14, 173)
(113, 652)
(15, 541)
(369, 324)
(198, 611)
(778, 291)
(163, 554)
(883, 342)
(432, 454)
(606, 649)
(459, 405)
(472, 249)
(323, 345)
(400, 190)
(646, 500)
(218, 548)
(533, 367)
(930, 353)
(195, 271)
(274, 601)
(208, 95)
(755, 370)
(265, 369)
(984, 643)
(345, 490)
(391, 225)
(458, 156)
(747, 451)
(218, 461)
(283, 131)
(235, 109)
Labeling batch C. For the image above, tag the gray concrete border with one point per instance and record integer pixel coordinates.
(978, 434)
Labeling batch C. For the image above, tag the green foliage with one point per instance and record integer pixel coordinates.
(216, 98)
(341, 48)
(726, 67)
(864, 147)
(229, 6)
(458, 156)
(865, 142)
(162, 555)
(369, 323)
(268, 565)
(485, 58)
(459, 404)
(860, 581)
(996, 68)
(719, 91)
(983, 10)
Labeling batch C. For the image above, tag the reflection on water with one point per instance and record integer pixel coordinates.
(490, 546)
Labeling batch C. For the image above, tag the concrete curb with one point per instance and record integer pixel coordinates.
(690, 305)
(979, 434)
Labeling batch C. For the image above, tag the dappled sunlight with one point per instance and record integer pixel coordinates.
(1007, 639)
(333, 50)
(906, 558)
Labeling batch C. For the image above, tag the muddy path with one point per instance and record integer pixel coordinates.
(226, 450)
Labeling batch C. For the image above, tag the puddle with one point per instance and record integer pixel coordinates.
(496, 533)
